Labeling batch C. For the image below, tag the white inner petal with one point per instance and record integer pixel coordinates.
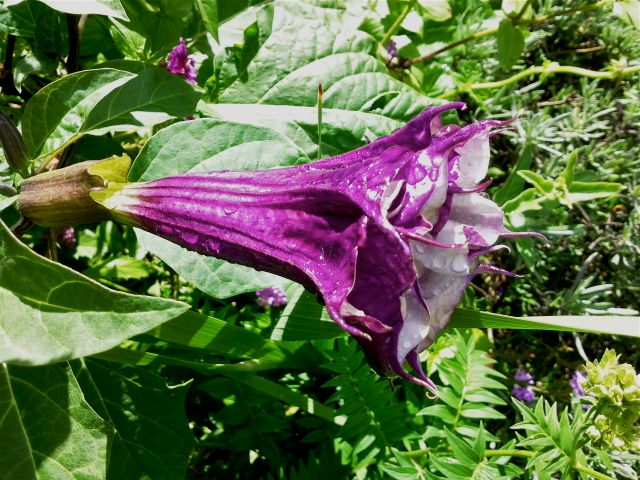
(474, 160)
(415, 325)
(438, 196)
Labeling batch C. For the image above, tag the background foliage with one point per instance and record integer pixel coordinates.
(194, 379)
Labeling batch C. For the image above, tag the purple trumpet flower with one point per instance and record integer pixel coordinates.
(180, 63)
(388, 235)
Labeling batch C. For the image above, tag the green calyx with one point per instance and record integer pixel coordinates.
(66, 196)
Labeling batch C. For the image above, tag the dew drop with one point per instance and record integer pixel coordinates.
(439, 262)
(229, 209)
(459, 264)
(407, 345)
(421, 247)
(416, 336)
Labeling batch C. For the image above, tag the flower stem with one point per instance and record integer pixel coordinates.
(509, 453)
(396, 25)
(591, 472)
(545, 70)
(516, 21)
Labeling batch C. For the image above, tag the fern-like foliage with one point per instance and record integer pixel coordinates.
(469, 394)
(373, 419)
(470, 462)
(556, 440)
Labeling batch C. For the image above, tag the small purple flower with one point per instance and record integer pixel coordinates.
(524, 377)
(180, 63)
(523, 390)
(271, 297)
(389, 235)
(67, 239)
(524, 394)
(576, 381)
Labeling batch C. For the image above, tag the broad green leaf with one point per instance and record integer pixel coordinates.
(109, 8)
(510, 43)
(436, 10)
(47, 428)
(152, 438)
(342, 130)
(7, 201)
(121, 268)
(53, 117)
(208, 10)
(610, 324)
(201, 332)
(284, 394)
(304, 319)
(51, 313)
(140, 358)
(585, 191)
(152, 97)
(209, 144)
(160, 22)
(91, 102)
(541, 184)
(338, 56)
(215, 277)
(22, 19)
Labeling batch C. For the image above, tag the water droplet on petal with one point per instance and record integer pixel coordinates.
(460, 264)
(407, 345)
(439, 262)
(421, 247)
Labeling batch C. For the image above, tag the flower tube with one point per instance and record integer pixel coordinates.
(388, 235)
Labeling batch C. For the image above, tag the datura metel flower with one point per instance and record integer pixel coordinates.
(388, 235)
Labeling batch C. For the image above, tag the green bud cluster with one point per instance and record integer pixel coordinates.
(615, 392)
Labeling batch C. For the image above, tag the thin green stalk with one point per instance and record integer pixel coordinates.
(320, 102)
(516, 21)
(509, 453)
(545, 70)
(591, 472)
(396, 25)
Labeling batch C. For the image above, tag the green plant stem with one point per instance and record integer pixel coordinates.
(545, 70)
(396, 25)
(591, 472)
(516, 21)
(509, 453)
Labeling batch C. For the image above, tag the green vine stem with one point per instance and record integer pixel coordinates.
(491, 31)
(550, 69)
(396, 25)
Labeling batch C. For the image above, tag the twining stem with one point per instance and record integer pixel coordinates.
(396, 25)
(545, 70)
(74, 43)
(516, 21)
(6, 70)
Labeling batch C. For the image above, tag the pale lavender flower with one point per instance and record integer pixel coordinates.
(388, 235)
(523, 390)
(576, 381)
(271, 297)
(180, 63)
(524, 394)
(524, 377)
